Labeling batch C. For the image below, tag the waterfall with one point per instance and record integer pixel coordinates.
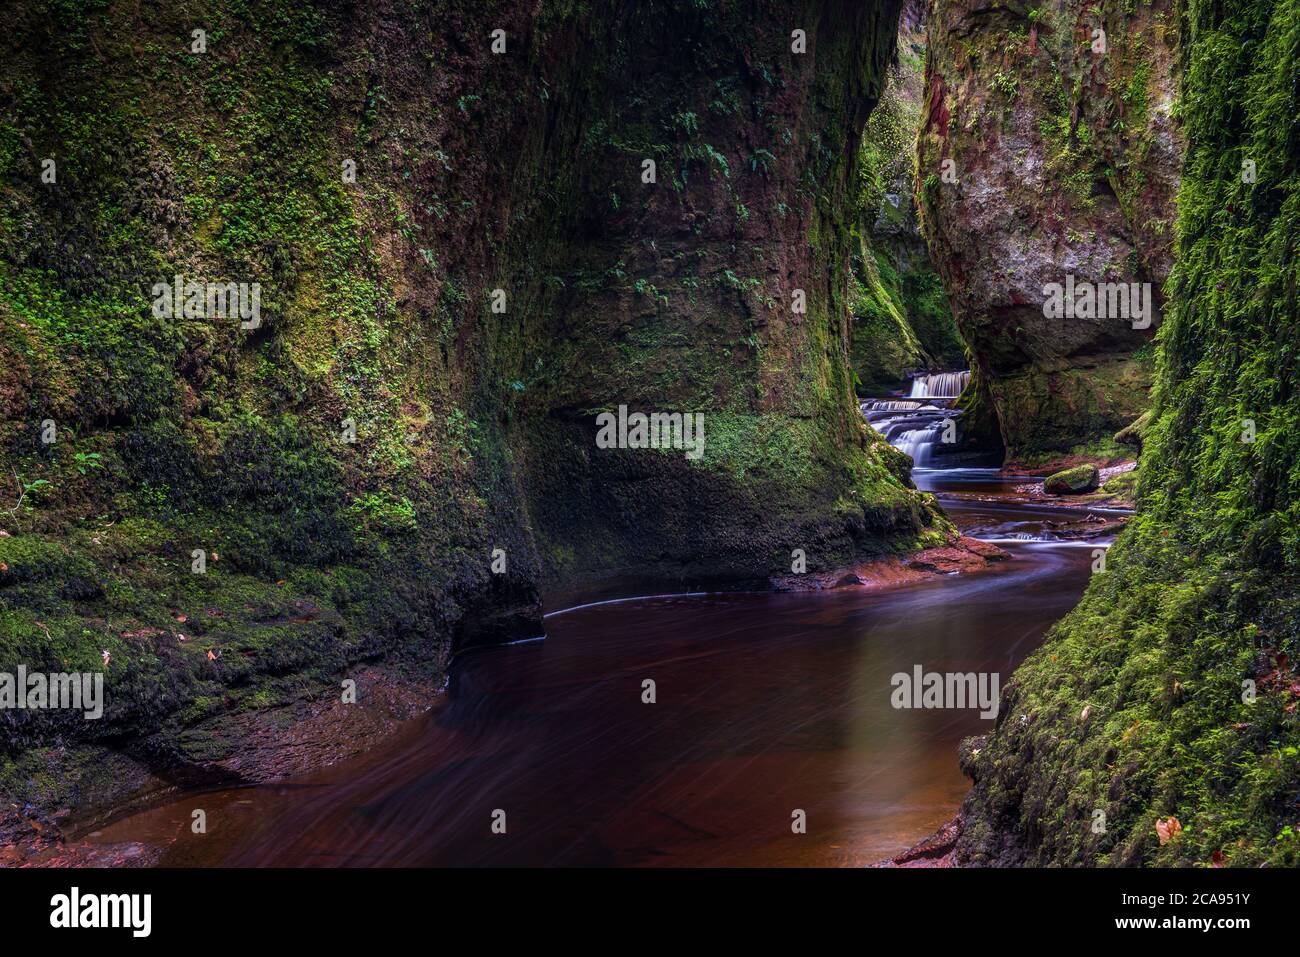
(915, 424)
(917, 443)
(941, 385)
(890, 405)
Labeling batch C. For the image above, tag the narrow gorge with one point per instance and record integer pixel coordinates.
(981, 317)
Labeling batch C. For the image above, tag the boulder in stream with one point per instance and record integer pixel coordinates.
(1073, 481)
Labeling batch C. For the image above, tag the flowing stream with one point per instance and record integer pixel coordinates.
(766, 704)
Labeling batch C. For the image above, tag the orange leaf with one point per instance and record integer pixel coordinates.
(1167, 828)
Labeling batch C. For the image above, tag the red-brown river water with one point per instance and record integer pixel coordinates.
(766, 704)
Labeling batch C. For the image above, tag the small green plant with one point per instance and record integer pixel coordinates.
(1006, 84)
(87, 462)
(761, 161)
(25, 489)
(719, 159)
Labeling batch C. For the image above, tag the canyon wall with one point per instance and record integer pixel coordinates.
(462, 259)
(902, 322)
(1049, 150)
(1159, 724)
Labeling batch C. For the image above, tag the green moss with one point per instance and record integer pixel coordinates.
(1125, 483)
(1072, 481)
(883, 348)
(1168, 691)
(901, 319)
(471, 425)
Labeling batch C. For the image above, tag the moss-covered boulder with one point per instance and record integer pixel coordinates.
(1073, 481)
(1123, 484)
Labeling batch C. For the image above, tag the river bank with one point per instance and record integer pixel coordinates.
(766, 704)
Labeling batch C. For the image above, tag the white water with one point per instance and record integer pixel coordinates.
(917, 443)
(941, 385)
(891, 405)
(915, 424)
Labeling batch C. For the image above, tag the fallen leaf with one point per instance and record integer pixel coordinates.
(107, 657)
(1216, 859)
(1083, 715)
(211, 656)
(1167, 828)
(181, 619)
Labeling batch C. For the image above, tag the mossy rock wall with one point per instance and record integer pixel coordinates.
(1049, 146)
(474, 172)
(1171, 691)
(901, 321)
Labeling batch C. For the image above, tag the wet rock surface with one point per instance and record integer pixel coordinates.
(1040, 159)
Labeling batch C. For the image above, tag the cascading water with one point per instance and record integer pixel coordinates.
(941, 385)
(915, 424)
(917, 443)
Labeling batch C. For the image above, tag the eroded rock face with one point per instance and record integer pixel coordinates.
(901, 321)
(461, 264)
(680, 296)
(1048, 150)
(1136, 708)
